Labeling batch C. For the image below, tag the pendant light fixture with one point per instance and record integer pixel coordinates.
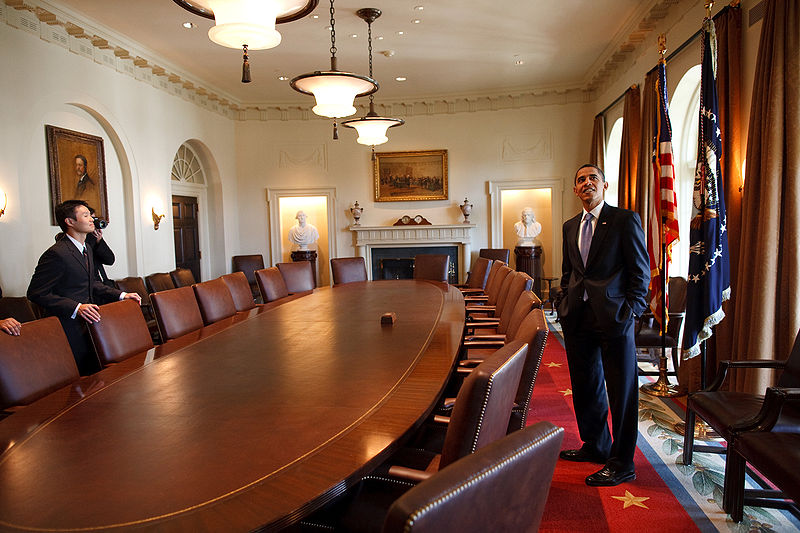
(371, 128)
(248, 24)
(333, 89)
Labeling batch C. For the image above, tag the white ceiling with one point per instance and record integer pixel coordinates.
(458, 48)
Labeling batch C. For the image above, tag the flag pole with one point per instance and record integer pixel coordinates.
(662, 387)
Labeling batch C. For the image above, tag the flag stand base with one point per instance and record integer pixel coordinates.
(662, 387)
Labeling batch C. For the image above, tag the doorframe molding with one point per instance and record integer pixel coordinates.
(197, 191)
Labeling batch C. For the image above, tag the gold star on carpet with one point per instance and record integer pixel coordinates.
(554, 365)
(630, 500)
(566, 392)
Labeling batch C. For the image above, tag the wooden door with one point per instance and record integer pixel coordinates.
(185, 223)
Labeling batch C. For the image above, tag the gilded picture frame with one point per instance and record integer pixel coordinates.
(65, 148)
(417, 176)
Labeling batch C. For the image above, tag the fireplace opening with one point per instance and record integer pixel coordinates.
(398, 263)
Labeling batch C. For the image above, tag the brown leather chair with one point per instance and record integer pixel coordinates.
(723, 410)
(35, 363)
(514, 285)
(240, 291)
(348, 270)
(215, 300)
(433, 267)
(479, 275)
(160, 281)
(17, 307)
(501, 487)
(493, 287)
(271, 284)
(249, 264)
(497, 328)
(182, 277)
(299, 276)
(496, 254)
(136, 284)
(648, 334)
(177, 312)
(769, 452)
(121, 333)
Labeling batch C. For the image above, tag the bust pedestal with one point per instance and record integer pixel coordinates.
(307, 255)
(529, 260)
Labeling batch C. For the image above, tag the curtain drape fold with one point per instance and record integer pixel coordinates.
(629, 150)
(645, 177)
(597, 153)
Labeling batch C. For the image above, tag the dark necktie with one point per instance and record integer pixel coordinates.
(86, 258)
(586, 237)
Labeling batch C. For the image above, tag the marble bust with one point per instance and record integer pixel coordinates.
(302, 234)
(527, 229)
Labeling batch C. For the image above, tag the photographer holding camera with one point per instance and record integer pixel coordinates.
(64, 283)
(101, 252)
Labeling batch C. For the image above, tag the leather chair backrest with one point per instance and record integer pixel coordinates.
(215, 300)
(498, 298)
(493, 290)
(17, 307)
(496, 265)
(121, 333)
(182, 277)
(35, 363)
(160, 281)
(299, 276)
(240, 291)
(484, 402)
(790, 377)
(248, 264)
(520, 282)
(501, 487)
(480, 273)
(177, 312)
(496, 254)
(526, 301)
(134, 284)
(433, 267)
(536, 343)
(271, 284)
(677, 295)
(348, 270)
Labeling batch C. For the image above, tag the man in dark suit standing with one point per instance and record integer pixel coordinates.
(605, 274)
(64, 285)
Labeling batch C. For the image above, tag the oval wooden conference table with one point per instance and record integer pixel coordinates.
(252, 427)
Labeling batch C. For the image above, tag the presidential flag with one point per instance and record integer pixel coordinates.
(663, 219)
(709, 277)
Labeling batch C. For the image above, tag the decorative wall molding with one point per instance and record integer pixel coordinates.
(99, 46)
(536, 146)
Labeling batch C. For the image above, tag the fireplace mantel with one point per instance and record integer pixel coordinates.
(368, 237)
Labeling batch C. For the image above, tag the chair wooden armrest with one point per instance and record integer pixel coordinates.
(767, 417)
(722, 369)
(488, 344)
(470, 363)
(440, 419)
(467, 290)
(449, 403)
(476, 298)
(480, 309)
(410, 474)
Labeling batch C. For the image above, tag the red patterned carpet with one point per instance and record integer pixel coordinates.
(646, 504)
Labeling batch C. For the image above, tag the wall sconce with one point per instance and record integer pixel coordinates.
(156, 219)
(5, 202)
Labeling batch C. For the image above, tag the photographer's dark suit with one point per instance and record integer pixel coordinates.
(61, 281)
(598, 331)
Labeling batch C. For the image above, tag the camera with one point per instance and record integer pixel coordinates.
(99, 223)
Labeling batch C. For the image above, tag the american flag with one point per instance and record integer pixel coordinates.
(663, 221)
(709, 277)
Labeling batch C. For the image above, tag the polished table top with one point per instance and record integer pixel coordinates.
(256, 425)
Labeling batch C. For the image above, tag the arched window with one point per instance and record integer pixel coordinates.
(613, 145)
(186, 167)
(684, 113)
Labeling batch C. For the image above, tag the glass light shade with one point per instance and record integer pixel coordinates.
(372, 130)
(334, 91)
(240, 22)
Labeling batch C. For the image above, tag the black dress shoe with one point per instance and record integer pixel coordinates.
(581, 456)
(608, 477)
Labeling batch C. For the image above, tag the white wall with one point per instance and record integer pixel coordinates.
(142, 129)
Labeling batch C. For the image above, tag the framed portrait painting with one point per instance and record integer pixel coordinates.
(77, 169)
(420, 175)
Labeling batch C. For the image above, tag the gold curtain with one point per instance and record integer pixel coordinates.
(729, 56)
(597, 154)
(629, 151)
(644, 181)
(769, 267)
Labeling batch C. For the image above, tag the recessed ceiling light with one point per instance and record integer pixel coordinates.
(380, 37)
(401, 78)
(314, 16)
(188, 25)
(416, 21)
(401, 32)
(283, 78)
(517, 61)
(419, 8)
(354, 35)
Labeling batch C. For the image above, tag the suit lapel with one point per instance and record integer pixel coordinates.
(572, 239)
(600, 232)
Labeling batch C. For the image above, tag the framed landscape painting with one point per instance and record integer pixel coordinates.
(77, 169)
(420, 175)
